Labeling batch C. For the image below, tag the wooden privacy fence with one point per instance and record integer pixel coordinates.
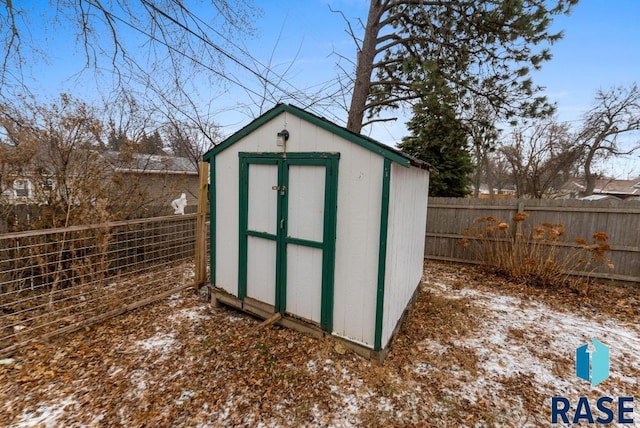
(58, 280)
(447, 218)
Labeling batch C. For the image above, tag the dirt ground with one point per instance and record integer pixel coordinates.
(476, 350)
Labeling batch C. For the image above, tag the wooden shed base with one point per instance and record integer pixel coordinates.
(265, 311)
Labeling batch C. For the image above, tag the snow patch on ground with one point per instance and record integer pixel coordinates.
(515, 338)
(175, 299)
(139, 380)
(160, 342)
(190, 314)
(517, 335)
(185, 395)
(432, 346)
(347, 390)
(45, 416)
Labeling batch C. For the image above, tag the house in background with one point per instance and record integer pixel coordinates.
(161, 178)
(153, 180)
(503, 193)
(605, 188)
(19, 191)
(15, 187)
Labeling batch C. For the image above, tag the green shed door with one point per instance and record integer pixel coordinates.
(287, 233)
(262, 232)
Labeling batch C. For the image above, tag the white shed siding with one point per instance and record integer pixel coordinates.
(261, 270)
(306, 202)
(405, 242)
(358, 218)
(357, 229)
(227, 220)
(263, 206)
(306, 199)
(357, 243)
(227, 200)
(304, 269)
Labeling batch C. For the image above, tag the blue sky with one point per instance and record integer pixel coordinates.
(600, 48)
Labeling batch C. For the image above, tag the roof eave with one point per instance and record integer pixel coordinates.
(155, 171)
(368, 143)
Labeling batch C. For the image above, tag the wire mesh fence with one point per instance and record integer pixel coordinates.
(58, 280)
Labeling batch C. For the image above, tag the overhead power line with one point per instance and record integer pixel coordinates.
(304, 105)
(266, 81)
(172, 48)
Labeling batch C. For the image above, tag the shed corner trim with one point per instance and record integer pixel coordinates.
(382, 252)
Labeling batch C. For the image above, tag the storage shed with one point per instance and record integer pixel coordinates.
(319, 224)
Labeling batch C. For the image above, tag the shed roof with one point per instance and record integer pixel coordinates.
(608, 186)
(151, 164)
(120, 162)
(369, 143)
(599, 197)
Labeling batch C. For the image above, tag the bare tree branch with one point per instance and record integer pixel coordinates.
(615, 112)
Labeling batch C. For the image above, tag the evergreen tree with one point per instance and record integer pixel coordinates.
(487, 48)
(438, 137)
(152, 144)
(117, 138)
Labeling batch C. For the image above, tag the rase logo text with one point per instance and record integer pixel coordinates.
(592, 365)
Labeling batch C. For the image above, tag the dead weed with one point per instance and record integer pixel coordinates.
(183, 363)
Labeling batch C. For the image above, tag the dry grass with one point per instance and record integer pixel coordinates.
(537, 256)
(181, 362)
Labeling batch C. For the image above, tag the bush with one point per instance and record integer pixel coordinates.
(538, 256)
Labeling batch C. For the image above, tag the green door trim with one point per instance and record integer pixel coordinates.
(263, 235)
(281, 231)
(283, 161)
(304, 242)
(382, 252)
(329, 239)
(243, 226)
(312, 156)
(212, 221)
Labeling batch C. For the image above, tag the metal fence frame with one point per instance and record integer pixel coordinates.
(58, 280)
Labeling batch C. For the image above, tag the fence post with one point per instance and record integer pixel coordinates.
(201, 237)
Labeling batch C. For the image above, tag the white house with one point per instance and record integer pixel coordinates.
(319, 224)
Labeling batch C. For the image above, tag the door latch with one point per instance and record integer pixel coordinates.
(281, 189)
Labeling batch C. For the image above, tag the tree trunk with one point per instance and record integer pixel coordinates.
(589, 178)
(476, 182)
(489, 175)
(589, 182)
(364, 68)
(477, 175)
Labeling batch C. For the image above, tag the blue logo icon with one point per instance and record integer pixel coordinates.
(592, 364)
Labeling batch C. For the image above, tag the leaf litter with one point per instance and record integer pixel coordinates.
(476, 350)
